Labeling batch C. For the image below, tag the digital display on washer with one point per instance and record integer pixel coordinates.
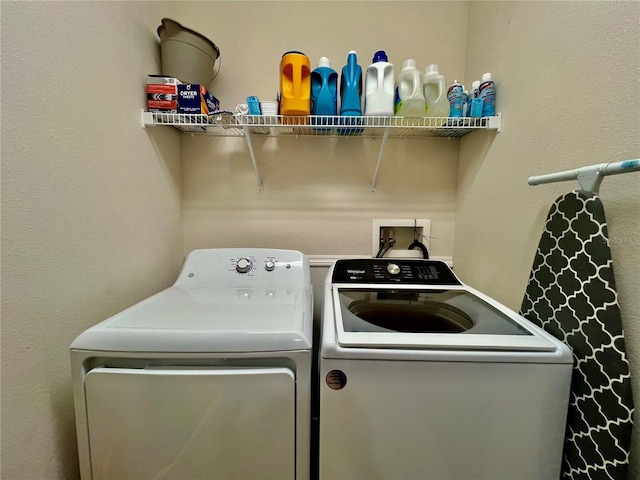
(422, 311)
(384, 270)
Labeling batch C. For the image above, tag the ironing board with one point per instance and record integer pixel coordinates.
(572, 295)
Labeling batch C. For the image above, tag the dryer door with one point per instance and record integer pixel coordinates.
(177, 422)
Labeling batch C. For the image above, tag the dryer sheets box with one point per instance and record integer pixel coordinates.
(194, 98)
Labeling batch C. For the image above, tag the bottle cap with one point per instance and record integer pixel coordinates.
(324, 62)
(409, 63)
(486, 76)
(352, 51)
(475, 84)
(433, 68)
(380, 56)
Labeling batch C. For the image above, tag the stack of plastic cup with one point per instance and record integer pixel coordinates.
(269, 109)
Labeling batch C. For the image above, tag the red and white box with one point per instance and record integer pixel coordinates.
(162, 94)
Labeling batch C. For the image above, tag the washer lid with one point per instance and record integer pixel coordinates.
(205, 319)
(424, 318)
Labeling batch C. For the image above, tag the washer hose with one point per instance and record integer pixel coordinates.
(421, 246)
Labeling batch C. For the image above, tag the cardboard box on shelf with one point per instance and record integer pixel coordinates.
(194, 98)
(162, 94)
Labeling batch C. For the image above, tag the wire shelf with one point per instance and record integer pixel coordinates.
(228, 125)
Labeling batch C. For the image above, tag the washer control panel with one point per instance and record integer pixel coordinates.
(381, 270)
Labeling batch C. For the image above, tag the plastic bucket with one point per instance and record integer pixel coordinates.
(187, 55)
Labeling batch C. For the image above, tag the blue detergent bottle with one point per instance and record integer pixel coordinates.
(351, 87)
(324, 89)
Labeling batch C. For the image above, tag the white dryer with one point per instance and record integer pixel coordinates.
(208, 379)
(424, 377)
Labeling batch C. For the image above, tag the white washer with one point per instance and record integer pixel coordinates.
(422, 376)
(209, 378)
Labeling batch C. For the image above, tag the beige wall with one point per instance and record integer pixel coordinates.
(317, 191)
(567, 77)
(91, 218)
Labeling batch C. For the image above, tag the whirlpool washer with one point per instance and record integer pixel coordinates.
(422, 376)
(209, 378)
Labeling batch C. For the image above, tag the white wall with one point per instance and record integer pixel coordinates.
(91, 215)
(317, 191)
(567, 76)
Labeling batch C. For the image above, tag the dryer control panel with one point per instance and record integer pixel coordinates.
(245, 267)
(395, 270)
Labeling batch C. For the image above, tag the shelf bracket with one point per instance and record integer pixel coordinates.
(495, 123)
(247, 138)
(147, 118)
(385, 136)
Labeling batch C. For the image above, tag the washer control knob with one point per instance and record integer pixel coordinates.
(269, 265)
(393, 269)
(243, 265)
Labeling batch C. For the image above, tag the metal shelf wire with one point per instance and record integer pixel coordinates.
(225, 124)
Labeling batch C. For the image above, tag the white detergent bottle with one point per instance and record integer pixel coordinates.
(409, 96)
(435, 92)
(379, 95)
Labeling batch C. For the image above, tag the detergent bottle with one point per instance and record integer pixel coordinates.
(435, 92)
(379, 96)
(409, 96)
(324, 89)
(295, 84)
(351, 87)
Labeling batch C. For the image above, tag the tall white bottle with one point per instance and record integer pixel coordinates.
(409, 95)
(379, 95)
(435, 92)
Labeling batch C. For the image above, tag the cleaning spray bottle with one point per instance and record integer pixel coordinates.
(475, 100)
(488, 96)
(455, 95)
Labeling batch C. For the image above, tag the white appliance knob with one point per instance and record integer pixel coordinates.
(243, 265)
(270, 265)
(393, 269)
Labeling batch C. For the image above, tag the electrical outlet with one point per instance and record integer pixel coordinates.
(403, 233)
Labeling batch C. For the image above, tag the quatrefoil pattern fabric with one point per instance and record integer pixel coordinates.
(572, 295)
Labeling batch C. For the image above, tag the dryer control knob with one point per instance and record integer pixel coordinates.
(393, 269)
(269, 265)
(243, 265)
